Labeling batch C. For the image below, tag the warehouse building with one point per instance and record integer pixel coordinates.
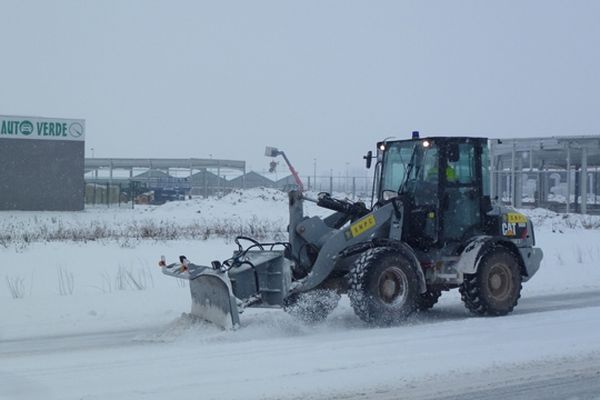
(561, 173)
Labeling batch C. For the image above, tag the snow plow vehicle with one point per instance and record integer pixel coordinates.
(431, 227)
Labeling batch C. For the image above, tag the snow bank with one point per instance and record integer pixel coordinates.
(561, 221)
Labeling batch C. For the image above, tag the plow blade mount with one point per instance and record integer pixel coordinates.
(212, 296)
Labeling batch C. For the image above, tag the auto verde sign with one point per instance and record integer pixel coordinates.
(12, 127)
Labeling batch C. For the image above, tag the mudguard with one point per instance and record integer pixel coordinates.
(471, 254)
(529, 257)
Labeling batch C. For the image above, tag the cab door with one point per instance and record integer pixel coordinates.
(461, 191)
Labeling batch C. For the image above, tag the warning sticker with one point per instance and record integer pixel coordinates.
(361, 226)
(516, 218)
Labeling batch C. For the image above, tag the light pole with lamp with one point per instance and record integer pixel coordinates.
(346, 180)
(314, 174)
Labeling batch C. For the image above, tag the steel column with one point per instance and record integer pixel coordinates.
(584, 179)
(512, 175)
(568, 196)
(519, 184)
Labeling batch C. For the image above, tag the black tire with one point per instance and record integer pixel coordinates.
(428, 299)
(383, 286)
(313, 306)
(496, 287)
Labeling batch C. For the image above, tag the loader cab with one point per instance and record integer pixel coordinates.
(443, 184)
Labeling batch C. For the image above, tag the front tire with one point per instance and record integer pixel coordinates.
(383, 286)
(495, 288)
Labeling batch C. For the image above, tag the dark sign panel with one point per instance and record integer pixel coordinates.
(42, 164)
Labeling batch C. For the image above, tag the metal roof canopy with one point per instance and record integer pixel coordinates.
(547, 152)
(544, 153)
(193, 163)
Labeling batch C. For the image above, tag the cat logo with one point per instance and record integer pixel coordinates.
(508, 229)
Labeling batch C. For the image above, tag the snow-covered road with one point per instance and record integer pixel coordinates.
(451, 311)
(553, 379)
(548, 338)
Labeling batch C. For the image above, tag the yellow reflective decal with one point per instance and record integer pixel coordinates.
(516, 218)
(362, 225)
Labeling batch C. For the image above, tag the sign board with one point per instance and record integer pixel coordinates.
(39, 128)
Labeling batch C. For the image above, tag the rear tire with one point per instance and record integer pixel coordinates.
(496, 287)
(383, 286)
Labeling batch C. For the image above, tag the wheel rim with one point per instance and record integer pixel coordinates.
(392, 286)
(499, 281)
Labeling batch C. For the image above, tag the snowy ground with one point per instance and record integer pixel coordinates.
(96, 319)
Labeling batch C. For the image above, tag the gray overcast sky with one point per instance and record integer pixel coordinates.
(320, 79)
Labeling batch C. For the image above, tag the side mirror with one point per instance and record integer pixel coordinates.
(388, 195)
(368, 158)
(271, 151)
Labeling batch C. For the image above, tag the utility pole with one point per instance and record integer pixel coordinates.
(346, 180)
(314, 174)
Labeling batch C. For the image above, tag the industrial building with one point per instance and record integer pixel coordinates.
(559, 173)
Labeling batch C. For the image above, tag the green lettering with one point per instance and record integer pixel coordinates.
(11, 127)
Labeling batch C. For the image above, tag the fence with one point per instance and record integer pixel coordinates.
(547, 189)
(154, 191)
(351, 186)
(119, 194)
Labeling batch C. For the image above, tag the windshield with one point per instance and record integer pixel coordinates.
(395, 165)
(409, 165)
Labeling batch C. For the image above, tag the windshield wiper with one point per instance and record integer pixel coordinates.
(408, 170)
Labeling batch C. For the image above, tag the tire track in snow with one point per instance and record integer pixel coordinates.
(145, 335)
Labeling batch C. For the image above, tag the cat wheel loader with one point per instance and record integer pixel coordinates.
(431, 227)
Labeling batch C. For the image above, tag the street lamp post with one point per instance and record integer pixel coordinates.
(346, 180)
(95, 170)
(314, 174)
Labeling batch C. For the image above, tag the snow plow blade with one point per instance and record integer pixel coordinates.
(212, 296)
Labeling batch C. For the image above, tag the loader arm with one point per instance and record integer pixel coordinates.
(331, 242)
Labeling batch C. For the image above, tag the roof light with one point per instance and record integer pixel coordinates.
(426, 143)
(382, 147)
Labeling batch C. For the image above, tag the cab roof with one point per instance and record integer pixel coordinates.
(465, 139)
